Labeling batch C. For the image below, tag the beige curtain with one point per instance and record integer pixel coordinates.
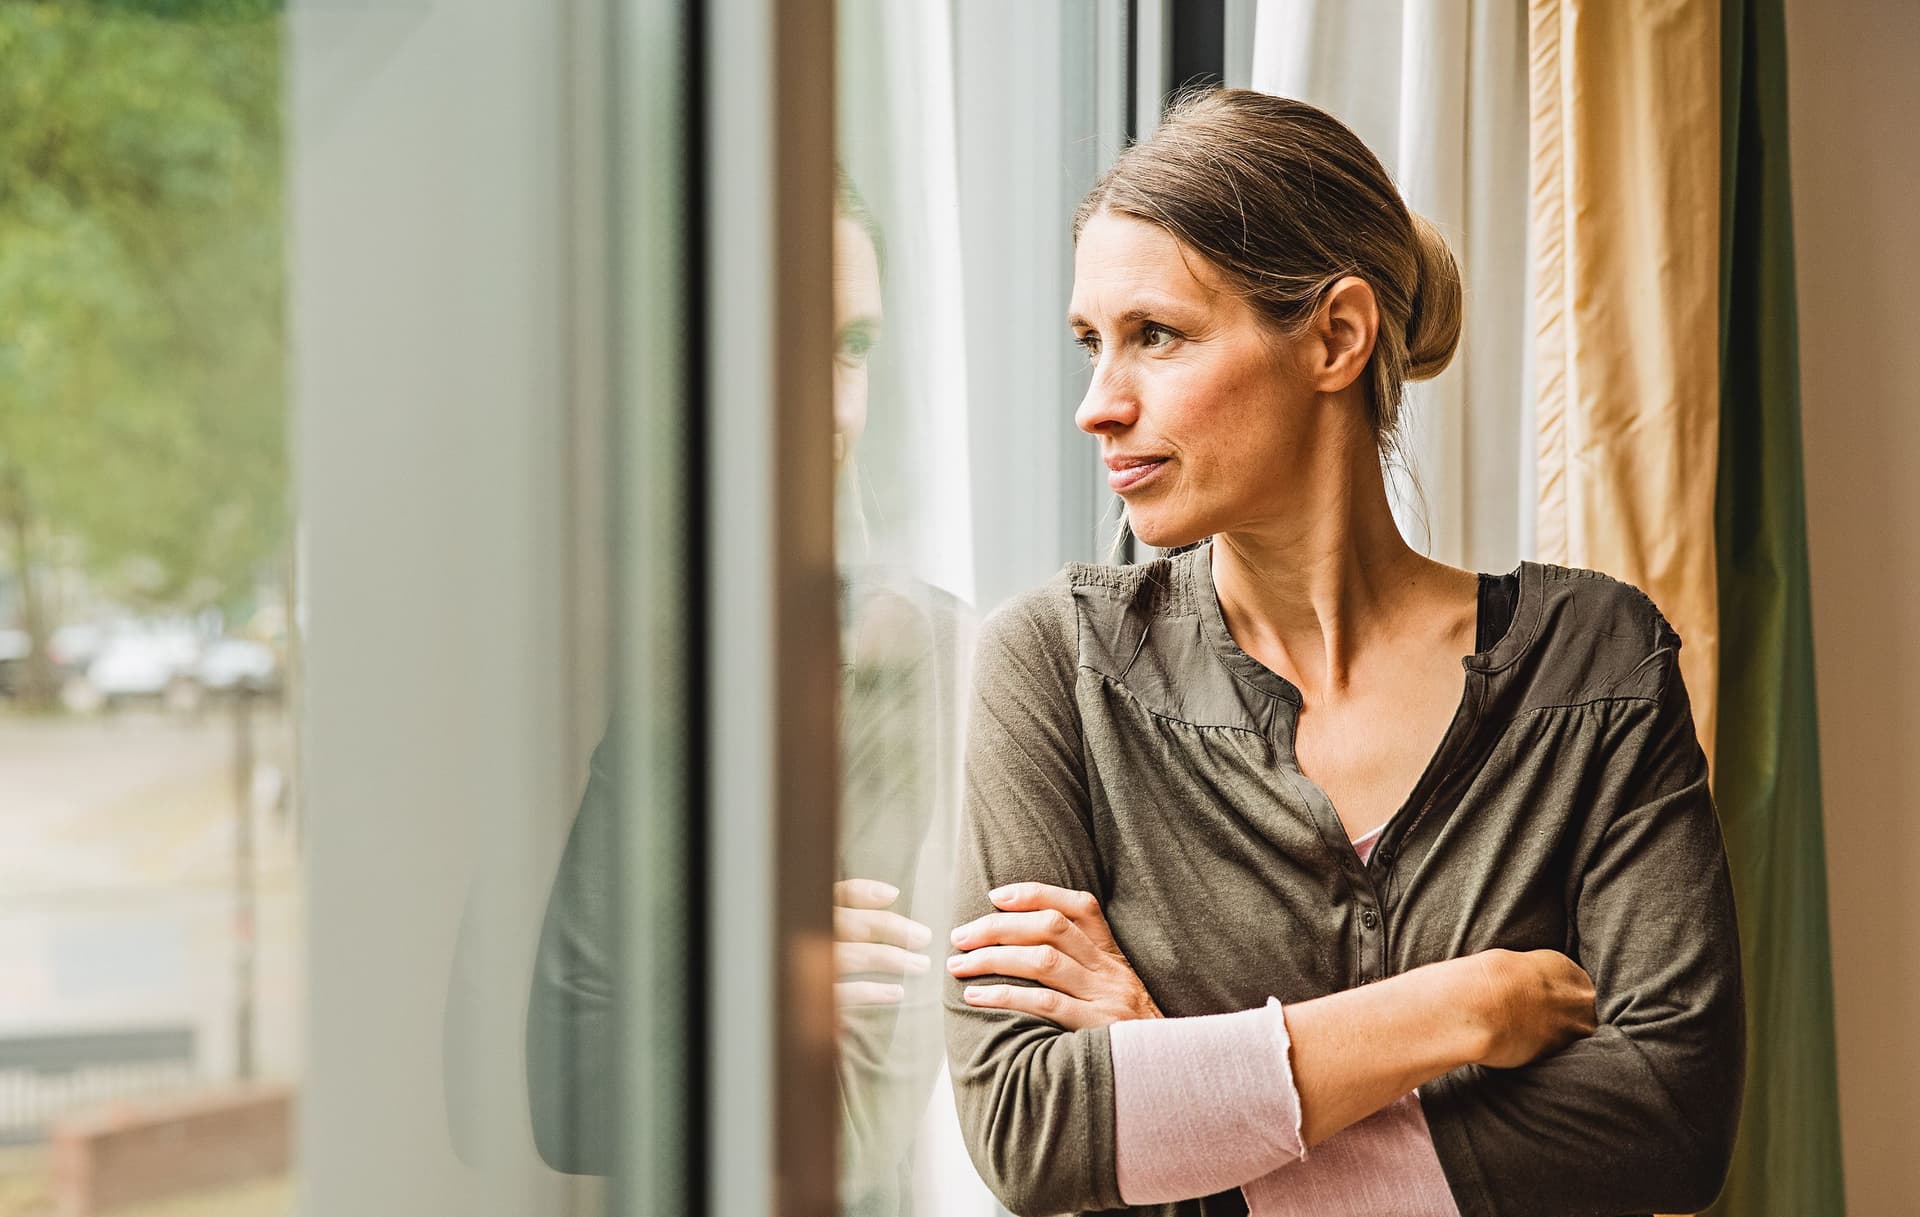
(1626, 221)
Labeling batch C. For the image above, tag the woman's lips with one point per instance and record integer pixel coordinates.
(1132, 473)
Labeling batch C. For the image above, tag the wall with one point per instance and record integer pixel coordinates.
(1854, 92)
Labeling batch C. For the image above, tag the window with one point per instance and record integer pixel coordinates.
(419, 544)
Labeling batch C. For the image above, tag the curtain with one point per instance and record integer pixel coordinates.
(1438, 91)
(910, 505)
(1768, 782)
(1625, 118)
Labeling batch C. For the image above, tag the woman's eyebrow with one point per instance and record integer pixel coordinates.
(1139, 313)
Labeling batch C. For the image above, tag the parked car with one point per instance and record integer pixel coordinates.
(139, 661)
(230, 664)
(74, 645)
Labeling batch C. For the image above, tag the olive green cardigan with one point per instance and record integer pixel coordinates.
(1120, 742)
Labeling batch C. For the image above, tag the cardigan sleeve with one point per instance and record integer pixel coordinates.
(1640, 1116)
(573, 1017)
(1035, 1101)
(896, 712)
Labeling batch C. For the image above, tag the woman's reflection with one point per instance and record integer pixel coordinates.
(901, 664)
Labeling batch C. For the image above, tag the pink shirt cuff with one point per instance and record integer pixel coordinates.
(1206, 1104)
(1203, 1104)
(1383, 1164)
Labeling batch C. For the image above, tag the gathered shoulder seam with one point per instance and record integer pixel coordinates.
(1120, 687)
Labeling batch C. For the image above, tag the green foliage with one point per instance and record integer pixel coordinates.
(194, 10)
(142, 335)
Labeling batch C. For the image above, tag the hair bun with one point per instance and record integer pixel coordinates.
(1433, 328)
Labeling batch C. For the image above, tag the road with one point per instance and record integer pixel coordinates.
(116, 880)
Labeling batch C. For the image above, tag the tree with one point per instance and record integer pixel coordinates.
(142, 334)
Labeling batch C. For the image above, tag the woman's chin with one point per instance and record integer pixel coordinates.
(1149, 529)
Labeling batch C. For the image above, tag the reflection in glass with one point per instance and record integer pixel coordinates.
(967, 132)
(901, 660)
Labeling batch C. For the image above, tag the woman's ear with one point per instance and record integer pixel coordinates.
(1342, 334)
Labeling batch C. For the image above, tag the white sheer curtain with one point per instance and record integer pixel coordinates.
(1438, 89)
(897, 133)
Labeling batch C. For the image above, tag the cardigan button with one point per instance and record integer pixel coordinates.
(1370, 919)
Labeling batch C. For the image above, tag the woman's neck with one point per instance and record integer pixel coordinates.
(1309, 590)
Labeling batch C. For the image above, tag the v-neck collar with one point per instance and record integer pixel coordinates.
(1509, 647)
(1519, 636)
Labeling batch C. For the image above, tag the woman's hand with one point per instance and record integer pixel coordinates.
(1058, 939)
(1531, 1004)
(870, 941)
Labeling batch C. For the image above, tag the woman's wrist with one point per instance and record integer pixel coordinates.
(1358, 1050)
(1475, 1005)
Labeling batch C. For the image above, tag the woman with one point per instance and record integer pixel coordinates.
(1206, 782)
(900, 646)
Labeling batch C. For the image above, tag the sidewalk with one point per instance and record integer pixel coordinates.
(117, 905)
(24, 1193)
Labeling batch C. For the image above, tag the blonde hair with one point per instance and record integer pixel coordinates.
(1284, 200)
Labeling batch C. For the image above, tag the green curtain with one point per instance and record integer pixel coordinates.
(1768, 748)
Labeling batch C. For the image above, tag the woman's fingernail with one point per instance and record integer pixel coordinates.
(953, 962)
(958, 936)
(973, 993)
(1000, 893)
(918, 963)
(893, 992)
(919, 936)
(885, 891)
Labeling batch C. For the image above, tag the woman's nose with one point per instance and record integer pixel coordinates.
(1106, 406)
(849, 404)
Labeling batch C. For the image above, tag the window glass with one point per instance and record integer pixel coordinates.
(345, 632)
(151, 825)
(466, 239)
(968, 133)
(308, 417)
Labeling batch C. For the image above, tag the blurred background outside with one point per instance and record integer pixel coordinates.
(149, 908)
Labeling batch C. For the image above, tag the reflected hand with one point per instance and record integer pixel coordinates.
(1060, 940)
(869, 940)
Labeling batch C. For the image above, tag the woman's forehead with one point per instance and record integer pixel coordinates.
(1122, 266)
(856, 271)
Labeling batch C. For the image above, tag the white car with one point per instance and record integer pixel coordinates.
(141, 661)
(74, 645)
(232, 663)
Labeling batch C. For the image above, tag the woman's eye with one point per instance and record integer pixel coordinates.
(854, 346)
(1152, 335)
(1090, 345)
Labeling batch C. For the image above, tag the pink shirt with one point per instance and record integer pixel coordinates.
(1206, 1104)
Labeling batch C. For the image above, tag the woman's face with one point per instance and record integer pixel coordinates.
(856, 327)
(1199, 409)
